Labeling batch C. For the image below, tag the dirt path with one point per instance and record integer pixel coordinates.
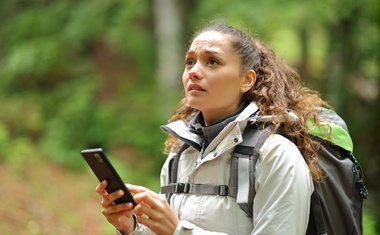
(47, 199)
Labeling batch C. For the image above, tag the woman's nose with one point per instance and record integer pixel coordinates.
(195, 72)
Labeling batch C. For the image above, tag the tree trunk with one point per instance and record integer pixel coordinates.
(167, 23)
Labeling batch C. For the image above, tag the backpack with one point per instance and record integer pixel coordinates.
(337, 201)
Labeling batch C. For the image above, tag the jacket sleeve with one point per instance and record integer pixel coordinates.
(183, 228)
(283, 189)
(187, 228)
(140, 230)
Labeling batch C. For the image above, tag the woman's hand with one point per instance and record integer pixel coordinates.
(119, 215)
(153, 211)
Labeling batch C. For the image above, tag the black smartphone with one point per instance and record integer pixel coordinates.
(103, 169)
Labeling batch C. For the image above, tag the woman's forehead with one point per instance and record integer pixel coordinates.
(210, 41)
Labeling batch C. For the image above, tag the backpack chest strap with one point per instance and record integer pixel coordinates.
(202, 189)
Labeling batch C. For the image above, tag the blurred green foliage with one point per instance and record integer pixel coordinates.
(81, 74)
(369, 223)
(51, 90)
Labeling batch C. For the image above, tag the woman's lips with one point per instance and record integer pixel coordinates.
(195, 87)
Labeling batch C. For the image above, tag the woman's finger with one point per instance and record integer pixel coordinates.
(137, 189)
(119, 208)
(101, 188)
(109, 199)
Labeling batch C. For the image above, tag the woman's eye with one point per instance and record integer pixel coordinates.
(189, 62)
(213, 62)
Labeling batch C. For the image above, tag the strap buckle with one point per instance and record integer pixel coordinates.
(182, 188)
(223, 190)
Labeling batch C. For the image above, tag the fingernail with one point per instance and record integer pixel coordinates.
(129, 205)
(120, 192)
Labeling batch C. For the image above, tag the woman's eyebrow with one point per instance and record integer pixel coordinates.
(206, 51)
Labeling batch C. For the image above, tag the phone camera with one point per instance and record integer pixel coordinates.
(98, 158)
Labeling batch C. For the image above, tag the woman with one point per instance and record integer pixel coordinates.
(229, 77)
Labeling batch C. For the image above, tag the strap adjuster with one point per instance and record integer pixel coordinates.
(223, 190)
(182, 188)
(186, 188)
(179, 188)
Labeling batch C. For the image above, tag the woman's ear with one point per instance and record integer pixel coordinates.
(249, 80)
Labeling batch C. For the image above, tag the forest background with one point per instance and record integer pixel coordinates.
(107, 73)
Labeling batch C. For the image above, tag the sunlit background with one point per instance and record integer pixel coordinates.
(107, 73)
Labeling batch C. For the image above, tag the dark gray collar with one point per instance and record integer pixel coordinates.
(208, 133)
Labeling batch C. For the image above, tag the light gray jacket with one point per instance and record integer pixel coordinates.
(283, 186)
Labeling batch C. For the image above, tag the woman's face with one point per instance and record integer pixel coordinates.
(212, 79)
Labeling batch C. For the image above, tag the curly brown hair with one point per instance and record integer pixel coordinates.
(278, 89)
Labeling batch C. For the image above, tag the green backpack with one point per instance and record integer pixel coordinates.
(337, 201)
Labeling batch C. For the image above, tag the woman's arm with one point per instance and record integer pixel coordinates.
(283, 189)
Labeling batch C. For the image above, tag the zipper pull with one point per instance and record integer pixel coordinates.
(199, 159)
(200, 156)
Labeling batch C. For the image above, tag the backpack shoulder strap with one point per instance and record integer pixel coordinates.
(243, 164)
(317, 223)
(173, 172)
(173, 164)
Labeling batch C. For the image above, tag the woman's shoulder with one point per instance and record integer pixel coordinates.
(280, 159)
(278, 140)
(278, 149)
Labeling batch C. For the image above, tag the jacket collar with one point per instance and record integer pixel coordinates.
(208, 133)
(182, 129)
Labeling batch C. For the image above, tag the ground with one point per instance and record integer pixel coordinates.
(48, 199)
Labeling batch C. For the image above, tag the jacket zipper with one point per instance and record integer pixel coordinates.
(199, 159)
